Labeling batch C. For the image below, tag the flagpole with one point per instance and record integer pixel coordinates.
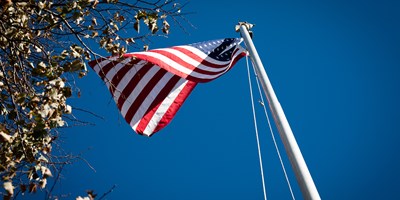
(299, 166)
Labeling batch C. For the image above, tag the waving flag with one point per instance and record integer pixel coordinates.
(150, 87)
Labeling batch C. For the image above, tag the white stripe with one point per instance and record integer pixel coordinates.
(138, 88)
(194, 50)
(193, 62)
(206, 57)
(241, 49)
(166, 60)
(103, 63)
(179, 67)
(113, 71)
(127, 78)
(149, 99)
(203, 56)
(162, 109)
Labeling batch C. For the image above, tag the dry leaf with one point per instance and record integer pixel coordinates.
(9, 187)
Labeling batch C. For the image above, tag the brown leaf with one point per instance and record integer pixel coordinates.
(46, 172)
(23, 188)
(5, 137)
(95, 3)
(91, 194)
(136, 26)
(7, 197)
(9, 187)
(94, 21)
(94, 34)
(130, 40)
(43, 183)
(32, 188)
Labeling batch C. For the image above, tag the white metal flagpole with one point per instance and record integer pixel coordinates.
(299, 166)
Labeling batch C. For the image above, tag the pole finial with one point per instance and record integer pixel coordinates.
(247, 25)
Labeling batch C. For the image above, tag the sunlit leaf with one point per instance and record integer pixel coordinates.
(5, 136)
(94, 21)
(46, 45)
(130, 40)
(166, 27)
(42, 159)
(23, 188)
(136, 25)
(9, 187)
(32, 188)
(43, 183)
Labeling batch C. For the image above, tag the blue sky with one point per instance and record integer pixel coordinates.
(334, 66)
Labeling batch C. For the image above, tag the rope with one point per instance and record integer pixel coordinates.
(273, 137)
(255, 126)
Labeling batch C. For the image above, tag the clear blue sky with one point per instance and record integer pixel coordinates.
(334, 66)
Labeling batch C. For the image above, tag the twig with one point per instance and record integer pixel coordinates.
(90, 166)
(108, 192)
(86, 111)
(55, 182)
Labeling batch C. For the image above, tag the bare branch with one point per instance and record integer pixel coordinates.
(108, 192)
(44, 46)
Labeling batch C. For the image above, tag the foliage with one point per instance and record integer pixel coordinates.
(44, 45)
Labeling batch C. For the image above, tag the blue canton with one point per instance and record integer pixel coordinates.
(218, 49)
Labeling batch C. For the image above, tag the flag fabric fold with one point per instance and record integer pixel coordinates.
(150, 87)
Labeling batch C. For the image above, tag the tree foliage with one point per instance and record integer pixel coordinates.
(44, 45)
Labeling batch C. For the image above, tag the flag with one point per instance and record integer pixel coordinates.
(149, 87)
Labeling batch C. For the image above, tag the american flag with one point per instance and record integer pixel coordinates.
(150, 87)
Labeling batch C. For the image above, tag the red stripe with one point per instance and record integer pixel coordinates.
(93, 63)
(143, 95)
(103, 70)
(233, 62)
(120, 74)
(166, 90)
(198, 58)
(167, 67)
(175, 106)
(160, 63)
(237, 58)
(155, 100)
(185, 64)
(132, 84)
